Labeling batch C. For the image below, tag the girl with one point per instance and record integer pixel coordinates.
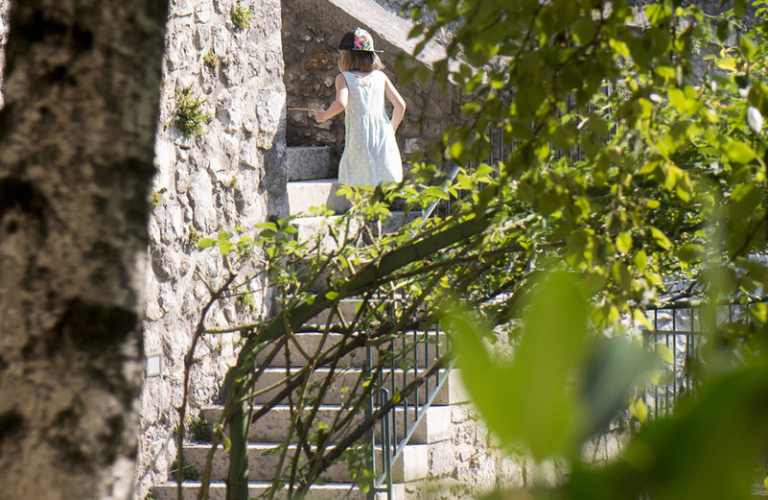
(371, 156)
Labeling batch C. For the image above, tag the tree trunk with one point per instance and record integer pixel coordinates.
(82, 86)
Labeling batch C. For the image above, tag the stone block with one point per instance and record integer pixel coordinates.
(314, 229)
(412, 465)
(302, 195)
(458, 392)
(309, 162)
(203, 12)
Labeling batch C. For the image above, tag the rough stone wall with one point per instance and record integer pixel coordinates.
(311, 65)
(4, 5)
(234, 174)
(471, 463)
(467, 464)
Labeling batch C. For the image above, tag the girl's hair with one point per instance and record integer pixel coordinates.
(359, 60)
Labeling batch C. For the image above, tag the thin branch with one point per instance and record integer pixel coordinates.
(189, 360)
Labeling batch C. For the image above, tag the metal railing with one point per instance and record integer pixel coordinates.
(418, 349)
(405, 357)
(680, 329)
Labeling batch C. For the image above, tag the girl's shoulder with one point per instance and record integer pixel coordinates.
(363, 76)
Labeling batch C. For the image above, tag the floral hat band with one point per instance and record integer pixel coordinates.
(358, 39)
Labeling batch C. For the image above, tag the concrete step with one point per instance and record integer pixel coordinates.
(346, 310)
(419, 349)
(413, 463)
(309, 162)
(312, 227)
(261, 467)
(315, 229)
(273, 427)
(262, 464)
(218, 491)
(303, 195)
(451, 392)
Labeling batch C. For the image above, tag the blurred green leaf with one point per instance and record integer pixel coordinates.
(739, 152)
(531, 401)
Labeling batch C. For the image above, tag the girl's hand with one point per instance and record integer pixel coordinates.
(319, 115)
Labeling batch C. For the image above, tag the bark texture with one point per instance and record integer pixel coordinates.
(81, 92)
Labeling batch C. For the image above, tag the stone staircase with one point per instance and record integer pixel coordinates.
(309, 184)
(430, 442)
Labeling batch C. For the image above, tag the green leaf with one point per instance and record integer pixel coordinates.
(624, 242)
(205, 243)
(748, 49)
(739, 152)
(641, 261)
(691, 252)
(723, 30)
(665, 354)
(226, 247)
(530, 402)
(640, 317)
(269, 226)
(759, 312)
(616, 368)
(740, 6)
(639, 410)
(727, 64)
(619, 47)
(660, 238)
(666, 72)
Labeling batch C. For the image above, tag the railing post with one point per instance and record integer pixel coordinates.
(370, 435)
(386, 449)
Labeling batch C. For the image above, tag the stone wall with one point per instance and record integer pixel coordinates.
(233, 174)
(4, 6)
(311, 34)
(471, 463)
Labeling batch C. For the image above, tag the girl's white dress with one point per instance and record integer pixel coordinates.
(371, 156)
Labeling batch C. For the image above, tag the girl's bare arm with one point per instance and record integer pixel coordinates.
(397, 101)
(337, 106)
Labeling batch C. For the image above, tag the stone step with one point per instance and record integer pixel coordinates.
(218, 491)
(451, 391)
(262, 463)
(273, 427)
(309, 162)
(346, 310)
(410, 466)
(303, 195)
(312, 227)
(309, 228)
(415, 349)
